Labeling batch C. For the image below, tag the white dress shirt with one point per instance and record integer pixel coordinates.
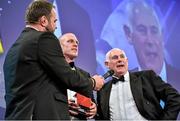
(71, 94)
(122, 105)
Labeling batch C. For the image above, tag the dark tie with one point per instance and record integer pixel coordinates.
(72, 64)
(115, 80)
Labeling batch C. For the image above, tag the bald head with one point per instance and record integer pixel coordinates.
(109, 53)
(68, 36)
(117, 61)
(69, 45)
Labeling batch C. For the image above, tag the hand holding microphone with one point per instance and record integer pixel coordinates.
(108, 74)
(84, 105)
(99, 80)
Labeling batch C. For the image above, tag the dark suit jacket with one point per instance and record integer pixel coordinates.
(37, 76)
(147, 90)
(86, 74)
(173, 76)
(172, 73)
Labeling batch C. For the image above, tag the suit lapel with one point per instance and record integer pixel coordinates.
(105, 99)
(136, 88)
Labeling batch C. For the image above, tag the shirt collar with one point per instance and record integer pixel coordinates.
(126, 76)
(162, 74)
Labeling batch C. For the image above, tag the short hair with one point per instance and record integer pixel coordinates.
(64, 37)
(109, 53)
(131, 8)
(37, 9)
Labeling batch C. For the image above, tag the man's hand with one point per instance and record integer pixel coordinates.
(73, 107)
(92, 111)
(98, 82)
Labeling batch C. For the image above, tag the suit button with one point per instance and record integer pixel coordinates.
(147, 102)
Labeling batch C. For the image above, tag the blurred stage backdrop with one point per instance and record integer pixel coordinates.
(99, 26)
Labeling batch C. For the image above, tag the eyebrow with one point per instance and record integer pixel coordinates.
(73, 40)
(120, 55)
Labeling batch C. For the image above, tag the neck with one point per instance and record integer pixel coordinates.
(37, 27)
(68, 59)
(119, 74)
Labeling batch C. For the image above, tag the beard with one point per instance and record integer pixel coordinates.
(50, 29)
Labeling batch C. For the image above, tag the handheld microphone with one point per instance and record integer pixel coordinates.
(108, 74)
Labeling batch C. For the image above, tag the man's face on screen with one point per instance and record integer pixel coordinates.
(147, 40)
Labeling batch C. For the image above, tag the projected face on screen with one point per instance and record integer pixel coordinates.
(146, 37)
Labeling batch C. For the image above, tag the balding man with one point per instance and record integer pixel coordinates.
(135, 96)
(69, 44)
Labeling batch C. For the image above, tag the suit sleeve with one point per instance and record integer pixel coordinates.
(86, 74)
(169, 95)
(52, 60)
(99, 115)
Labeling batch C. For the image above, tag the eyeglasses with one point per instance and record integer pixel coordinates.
(116, 57)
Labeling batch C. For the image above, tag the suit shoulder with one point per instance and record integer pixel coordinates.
(143, 72)
(48, 35)
(82, 71)
(49, 39)
(106, 85)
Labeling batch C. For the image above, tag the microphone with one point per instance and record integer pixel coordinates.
(108, 74)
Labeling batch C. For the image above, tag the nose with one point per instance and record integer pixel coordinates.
(75, 44)
(119, 60)
(149, 39)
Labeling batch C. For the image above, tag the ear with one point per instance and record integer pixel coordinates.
(127, 60)
(106, 64)
(162, 38)
(128, 33)
(43, 21)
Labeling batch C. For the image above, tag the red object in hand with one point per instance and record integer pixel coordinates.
(83, 101)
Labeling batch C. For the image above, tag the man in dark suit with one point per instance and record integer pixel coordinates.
(70, 46)
(135, 96)
(36, 74)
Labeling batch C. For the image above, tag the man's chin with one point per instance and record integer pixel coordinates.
(152, 66)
